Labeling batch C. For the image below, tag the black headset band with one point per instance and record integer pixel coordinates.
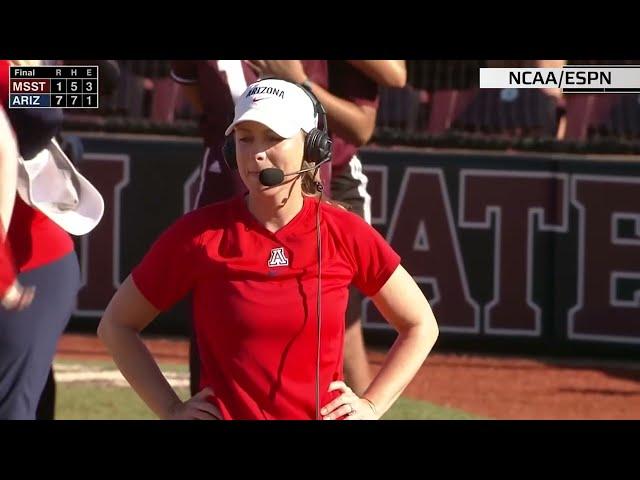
(317, 106)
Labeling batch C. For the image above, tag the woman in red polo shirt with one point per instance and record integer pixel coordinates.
(271, 346)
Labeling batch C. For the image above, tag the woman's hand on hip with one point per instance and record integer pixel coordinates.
(196, 408)
(348, 405)
(18, 297)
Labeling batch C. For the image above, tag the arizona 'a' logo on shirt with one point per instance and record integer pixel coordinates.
(278, 258)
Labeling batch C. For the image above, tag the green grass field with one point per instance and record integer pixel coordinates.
(103, 399)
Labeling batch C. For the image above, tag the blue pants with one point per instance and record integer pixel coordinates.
(28, 339)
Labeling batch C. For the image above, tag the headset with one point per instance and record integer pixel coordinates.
(317, 150)
(317, 146)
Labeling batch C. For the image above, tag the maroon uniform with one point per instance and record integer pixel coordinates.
(348, 83)
(348, 181)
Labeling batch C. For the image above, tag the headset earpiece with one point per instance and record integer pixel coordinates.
(317, 146)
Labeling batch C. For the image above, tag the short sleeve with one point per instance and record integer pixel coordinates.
(375, 260)
(168, 271)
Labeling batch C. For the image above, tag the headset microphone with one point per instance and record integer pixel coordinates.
(270, 177)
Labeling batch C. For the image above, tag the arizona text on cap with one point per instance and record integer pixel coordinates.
(280, 105)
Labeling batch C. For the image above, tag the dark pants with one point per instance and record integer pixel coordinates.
(47, 405)
(28, 339)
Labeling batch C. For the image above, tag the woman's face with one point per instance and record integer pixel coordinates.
(258, 147)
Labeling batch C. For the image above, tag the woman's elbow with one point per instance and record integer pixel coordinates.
(397, 80)
(428, 329)
(363, 135)
(395, 75)
(434, 333)
(102, 330)
(106, 328)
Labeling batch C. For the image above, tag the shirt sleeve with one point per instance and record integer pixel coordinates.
(168, 271)
(375, 260)
(184, 71)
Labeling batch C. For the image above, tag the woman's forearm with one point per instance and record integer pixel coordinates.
(401, 364)
(388, 73)
(139, 367)
(346, 119)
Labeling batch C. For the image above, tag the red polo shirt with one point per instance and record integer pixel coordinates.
(254, 299)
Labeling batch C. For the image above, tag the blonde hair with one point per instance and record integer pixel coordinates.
(308, 179)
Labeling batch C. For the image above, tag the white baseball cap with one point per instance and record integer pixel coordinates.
(280, 105)
(51, 183)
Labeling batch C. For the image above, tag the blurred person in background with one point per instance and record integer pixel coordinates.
(13, 296)
(42, 255)
(109, 74)
(551, 99)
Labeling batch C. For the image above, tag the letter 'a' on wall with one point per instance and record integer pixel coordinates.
(422, 231)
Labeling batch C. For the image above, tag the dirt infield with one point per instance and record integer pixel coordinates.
(501, 388)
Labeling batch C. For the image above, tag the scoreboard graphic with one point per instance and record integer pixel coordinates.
(54, 87)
